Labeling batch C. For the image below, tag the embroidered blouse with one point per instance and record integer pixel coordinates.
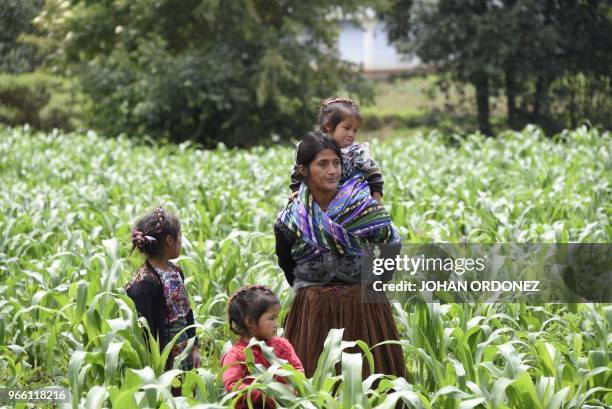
(174, 293)
(147, 291)
(327, 268)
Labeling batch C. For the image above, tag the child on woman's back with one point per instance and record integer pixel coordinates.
(340, 119)
(252, 312)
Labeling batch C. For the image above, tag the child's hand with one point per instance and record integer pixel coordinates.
(195, 356)
(377, 196)
(292, 197)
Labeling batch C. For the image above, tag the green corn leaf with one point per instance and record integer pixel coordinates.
(522, 392)
(111, 361)
(96, 397)
(352, 394)
(76, 361)
(331, 354)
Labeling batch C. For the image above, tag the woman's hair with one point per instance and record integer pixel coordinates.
(253, 301)
(151, 231)
(332, 111)
(313, 143)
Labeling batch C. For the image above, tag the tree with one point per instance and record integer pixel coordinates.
(203, 70)
(16, 55)
(583, 89)
(524, 47)
(27, 93)
(455, 37)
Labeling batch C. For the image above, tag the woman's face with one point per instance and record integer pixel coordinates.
(324, 171)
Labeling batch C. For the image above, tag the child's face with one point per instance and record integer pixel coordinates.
(346, 131)
(266, 326)
(174, 245)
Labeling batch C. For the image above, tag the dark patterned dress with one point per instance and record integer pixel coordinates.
(160, 296)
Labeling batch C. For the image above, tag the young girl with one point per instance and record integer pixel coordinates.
(252, 312)
(158, 288)
(340, 119)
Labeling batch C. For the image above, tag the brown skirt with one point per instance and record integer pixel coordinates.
(317, 309)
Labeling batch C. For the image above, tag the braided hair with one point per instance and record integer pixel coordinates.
(332, 111)
(252, 301)
(151, 230)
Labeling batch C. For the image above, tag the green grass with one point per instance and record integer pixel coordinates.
(405, 106)
(403, 97)
(69, 202)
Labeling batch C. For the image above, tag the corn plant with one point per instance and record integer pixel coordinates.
(68, 203)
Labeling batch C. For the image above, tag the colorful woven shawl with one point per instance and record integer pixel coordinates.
(352, 218)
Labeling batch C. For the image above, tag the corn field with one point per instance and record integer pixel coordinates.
(69, 201)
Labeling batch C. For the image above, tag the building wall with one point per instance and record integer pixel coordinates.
(368, 46)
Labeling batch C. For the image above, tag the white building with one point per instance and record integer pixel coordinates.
(369, 47)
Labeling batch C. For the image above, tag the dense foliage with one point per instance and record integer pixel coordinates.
(16, 54)
(39, 99)
(552, 60)
(69, 200)
(201, 70)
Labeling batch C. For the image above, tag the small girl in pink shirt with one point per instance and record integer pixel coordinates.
(252, 312)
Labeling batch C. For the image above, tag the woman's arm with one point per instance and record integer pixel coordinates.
(283, 252)
(390, 243)
(389, 251)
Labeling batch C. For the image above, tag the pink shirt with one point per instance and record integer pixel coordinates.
(282, 349)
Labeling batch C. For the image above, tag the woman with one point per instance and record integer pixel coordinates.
(321, 237)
